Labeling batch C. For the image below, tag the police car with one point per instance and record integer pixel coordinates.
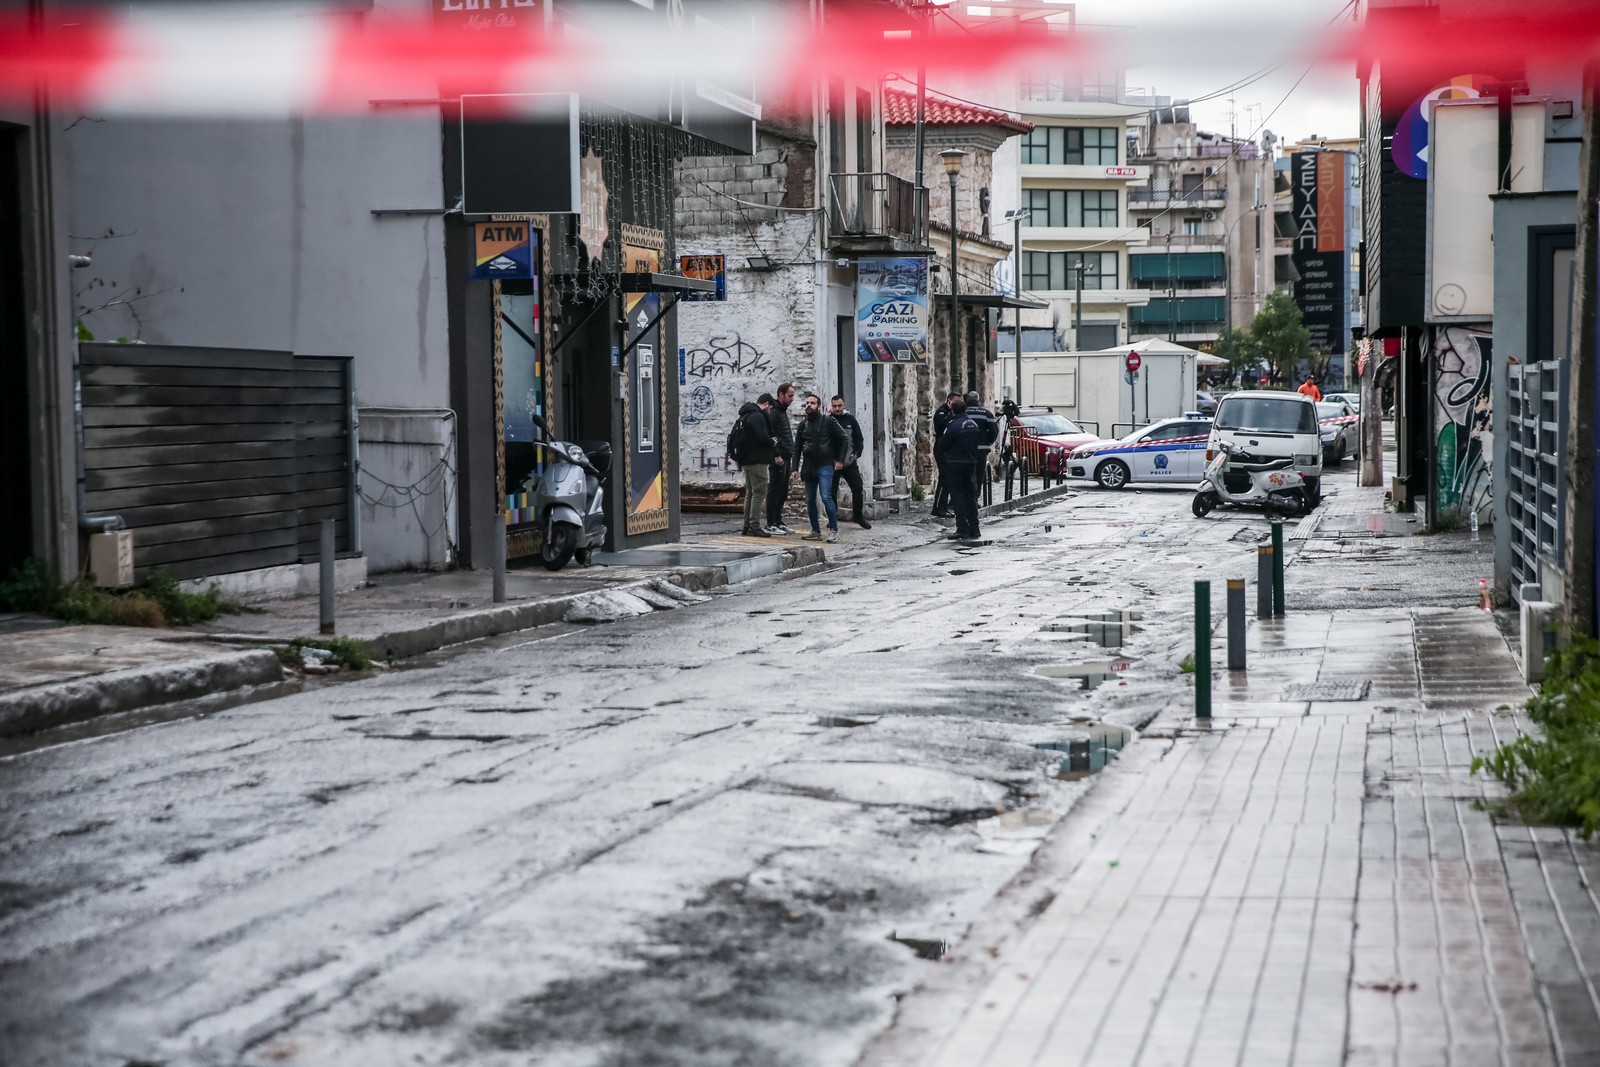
(1172, 450)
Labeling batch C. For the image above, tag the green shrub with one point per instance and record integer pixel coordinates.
(1555, 777)
(158, 602)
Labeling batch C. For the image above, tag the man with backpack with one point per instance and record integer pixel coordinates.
(752, 446)
(941, 491)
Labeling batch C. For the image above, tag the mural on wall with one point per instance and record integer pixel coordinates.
(1462, 420)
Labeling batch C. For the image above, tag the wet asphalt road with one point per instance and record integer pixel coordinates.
(680, 839)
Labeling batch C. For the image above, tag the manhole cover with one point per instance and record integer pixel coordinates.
(1326, 691)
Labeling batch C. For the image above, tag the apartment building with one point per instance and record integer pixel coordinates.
(1206, 210)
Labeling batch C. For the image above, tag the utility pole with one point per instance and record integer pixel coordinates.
(1077, 310)
(1172, 295)
(1016, 218)
(1583, 397)
(922, 91)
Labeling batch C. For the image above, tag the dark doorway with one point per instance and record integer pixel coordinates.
(16, 521)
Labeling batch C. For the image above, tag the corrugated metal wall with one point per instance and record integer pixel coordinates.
(220, 460)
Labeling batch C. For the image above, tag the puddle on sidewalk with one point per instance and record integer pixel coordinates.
(843, 722)
(1088, 755)
(1090, 675)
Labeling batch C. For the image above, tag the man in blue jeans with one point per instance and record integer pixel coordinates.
(820, 449)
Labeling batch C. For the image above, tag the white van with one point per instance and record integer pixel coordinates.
(1266, 424)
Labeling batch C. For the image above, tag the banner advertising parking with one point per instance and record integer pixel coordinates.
(892, 315)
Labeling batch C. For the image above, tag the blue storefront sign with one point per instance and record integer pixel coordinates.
(892, 316)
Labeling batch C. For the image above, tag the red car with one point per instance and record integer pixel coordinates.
(1049, 439)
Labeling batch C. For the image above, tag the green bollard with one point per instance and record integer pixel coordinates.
(1277, 569)
(1202, 650)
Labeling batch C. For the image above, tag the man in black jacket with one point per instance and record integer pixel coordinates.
(941, 419)
(783, 434)
(760, 448)
(820, 448)
(959, 449)
(850, 473)
(988, 429)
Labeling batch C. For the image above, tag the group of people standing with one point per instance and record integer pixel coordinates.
(964, 433)
(825, 447)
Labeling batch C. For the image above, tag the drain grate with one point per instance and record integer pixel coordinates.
(1327, 690)
(1286, 653)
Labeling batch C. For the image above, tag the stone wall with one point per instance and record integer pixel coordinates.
(765, 332)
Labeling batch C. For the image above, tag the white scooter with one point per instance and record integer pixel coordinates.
(1230, 478)
(568, 501)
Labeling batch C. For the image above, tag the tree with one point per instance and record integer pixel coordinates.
(1279, 336)
(1238, 348)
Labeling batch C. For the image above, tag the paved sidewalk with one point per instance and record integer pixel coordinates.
(1312, 879)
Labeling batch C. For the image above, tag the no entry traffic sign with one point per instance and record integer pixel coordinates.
(1132, 362)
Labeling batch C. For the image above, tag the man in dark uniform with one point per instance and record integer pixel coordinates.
(941, 492)
(850, 473)
(958, 449)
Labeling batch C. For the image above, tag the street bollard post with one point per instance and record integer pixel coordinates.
(499, 559)
(325, 575)
(1202, 649)
(1236, 624)
(1277, 569)
(1264, 582)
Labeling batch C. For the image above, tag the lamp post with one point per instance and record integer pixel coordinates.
(1015, 218)
(1227, 260)
(953, 158)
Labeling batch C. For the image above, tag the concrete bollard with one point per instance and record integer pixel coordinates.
(325, 575)
(1277, 569)
(1236, 624)
(1264, 582)
(1202, 649)
(499, 568)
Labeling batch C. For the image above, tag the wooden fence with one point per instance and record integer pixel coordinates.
(219, 460)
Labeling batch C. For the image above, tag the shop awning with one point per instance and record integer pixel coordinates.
(1183, 266)
(996, 300)
(655, 282)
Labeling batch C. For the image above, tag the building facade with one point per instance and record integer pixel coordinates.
(1207, 209)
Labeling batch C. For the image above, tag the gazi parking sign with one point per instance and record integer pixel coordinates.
(892, 310)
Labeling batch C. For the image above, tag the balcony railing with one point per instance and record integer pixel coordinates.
(1158, 241)
(1192, 197)
(877, 205)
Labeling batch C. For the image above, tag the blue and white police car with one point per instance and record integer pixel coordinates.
(1172, 451)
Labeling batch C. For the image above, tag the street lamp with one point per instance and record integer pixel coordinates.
(1015, 218)
(953, 158)
(1227, 259)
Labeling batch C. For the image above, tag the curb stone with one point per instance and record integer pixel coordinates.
(45, 706)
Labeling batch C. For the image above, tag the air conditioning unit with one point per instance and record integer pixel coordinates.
(1209, 216)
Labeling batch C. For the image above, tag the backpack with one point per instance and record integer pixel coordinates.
(738, 440)
(988, 427)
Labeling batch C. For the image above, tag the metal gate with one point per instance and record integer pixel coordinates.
(1535, 481)
(219, 460)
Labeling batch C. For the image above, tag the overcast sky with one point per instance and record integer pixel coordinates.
(1191, 48)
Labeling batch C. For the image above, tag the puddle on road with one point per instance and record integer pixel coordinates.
(1088, 755)
(1089, 675)
(926, 948)
(1108, 629)
(843, 722)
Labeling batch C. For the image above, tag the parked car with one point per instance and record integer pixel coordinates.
(1271, 424)
(1353, 399)
(1172, 450)
(1056, 436)
(1205, 403)
(1340, 430)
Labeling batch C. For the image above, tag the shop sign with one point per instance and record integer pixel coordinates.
(1122, 172)
(501, 250)
(709, 269)
(892, 314)
(489, 14)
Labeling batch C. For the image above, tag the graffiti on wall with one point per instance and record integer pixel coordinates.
(725, 357)
(1462, 420)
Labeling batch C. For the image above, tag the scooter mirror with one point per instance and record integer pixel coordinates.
(538, 420)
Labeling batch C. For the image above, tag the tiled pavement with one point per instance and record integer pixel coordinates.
(1311, 880)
